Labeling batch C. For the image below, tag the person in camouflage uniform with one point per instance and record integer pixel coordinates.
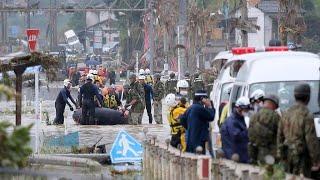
(197, 83)
(298, 146)
(171, 84)
(263, 131)
(135, 100)
(158, 94)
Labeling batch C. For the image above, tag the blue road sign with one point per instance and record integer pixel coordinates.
(126, 149)
(71, 139)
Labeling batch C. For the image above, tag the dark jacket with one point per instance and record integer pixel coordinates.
(234, 135)
(87, 93)
(148, 92)
(196, 121)
(63, 96)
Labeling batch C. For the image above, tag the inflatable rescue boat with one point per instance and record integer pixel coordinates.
(103, 116)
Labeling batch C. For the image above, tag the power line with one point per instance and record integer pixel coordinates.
(68, 10)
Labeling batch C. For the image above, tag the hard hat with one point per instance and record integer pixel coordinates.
(182, 84)
(302, 90)
(141, 72)
(94, 72)
(257, 94)
(272, 98)
(172, 75)
(170, 100)
(157, 76)
(66, 82)
(243, 103)
(90, 77)
(141, 77)
(147, 71)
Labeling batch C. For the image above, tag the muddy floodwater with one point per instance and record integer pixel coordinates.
(88, 135)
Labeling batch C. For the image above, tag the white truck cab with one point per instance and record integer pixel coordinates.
(278, 73)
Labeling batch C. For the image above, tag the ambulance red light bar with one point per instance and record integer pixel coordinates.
(247, 50)
(276, 48)
(243, 50)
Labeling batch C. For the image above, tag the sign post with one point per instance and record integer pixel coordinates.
(33, 35)
(126, 149)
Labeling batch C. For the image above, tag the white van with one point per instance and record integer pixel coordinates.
(278, 73)
(73, 41)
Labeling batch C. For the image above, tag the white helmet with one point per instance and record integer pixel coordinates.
(95, 72)
(147, 71)
(66, 82)
(141, 72)
(90, 76)
(182, 84)
(243, 103)
(90, 71)
(170, 100)
(257, 94)
(141, 77)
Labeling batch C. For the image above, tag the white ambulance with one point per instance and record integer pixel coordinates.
(228, 73)
(278, 73)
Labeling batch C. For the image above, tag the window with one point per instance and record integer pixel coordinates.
(285, 91)
(235, 94)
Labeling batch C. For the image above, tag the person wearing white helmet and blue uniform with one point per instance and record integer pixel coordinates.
(62, 100)
(234, 132)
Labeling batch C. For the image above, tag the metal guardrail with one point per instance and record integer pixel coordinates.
(160, 161)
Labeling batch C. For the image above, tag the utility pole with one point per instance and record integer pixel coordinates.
(151, 35)
(244, 17)
(4, 24)
(182, 22)
(53, 25)
(28, 15)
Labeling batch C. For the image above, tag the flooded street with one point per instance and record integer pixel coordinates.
(89, 134)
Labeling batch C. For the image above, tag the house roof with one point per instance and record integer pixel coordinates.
(271, 6)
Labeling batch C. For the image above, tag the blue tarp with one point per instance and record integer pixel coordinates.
(69, 140)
